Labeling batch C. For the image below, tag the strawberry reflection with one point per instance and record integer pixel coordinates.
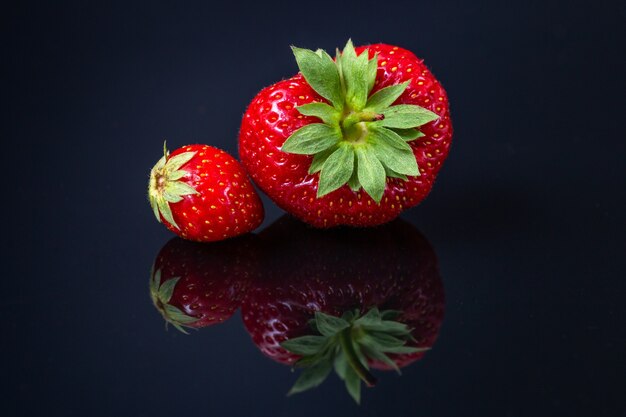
(196, 285)
(348, 299)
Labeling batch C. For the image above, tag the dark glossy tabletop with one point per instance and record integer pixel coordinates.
(517, 254)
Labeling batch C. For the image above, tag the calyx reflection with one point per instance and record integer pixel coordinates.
(349, 300)
(195, 285)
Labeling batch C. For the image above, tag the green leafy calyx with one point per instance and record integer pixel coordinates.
(346, 344)
(161, 294)
(166, 185)
(362, 138)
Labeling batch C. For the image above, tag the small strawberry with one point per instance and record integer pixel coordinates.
(197, 285)
(352, 141)
(203, 194)
(351, 299)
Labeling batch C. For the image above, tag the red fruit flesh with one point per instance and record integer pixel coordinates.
(272, 117)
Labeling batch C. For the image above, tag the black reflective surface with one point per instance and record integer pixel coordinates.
(525, 220)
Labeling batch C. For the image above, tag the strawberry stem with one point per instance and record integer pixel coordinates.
(364, 116)
(345, 340)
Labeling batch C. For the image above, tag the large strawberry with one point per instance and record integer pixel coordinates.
(201, 193)
(197, 285)
(352, 141)
(350, 298)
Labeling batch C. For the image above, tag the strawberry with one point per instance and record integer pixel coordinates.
(350, 298)
(352, 141)
(203, 194)
(197, 285)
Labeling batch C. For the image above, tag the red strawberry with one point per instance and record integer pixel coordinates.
(197, 285)
(202, 193)
(383, 282)
(340, 143)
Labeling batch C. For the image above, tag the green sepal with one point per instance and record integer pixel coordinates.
(393, 328)
(405, 116)
(379, 356)
(166, 211)
(155, 208)
(320, 71)
(382, 341)
(355, 69)
(311, 139)
(385, 97)
(372, 316)
(310, 360)
(328, 114)
(401, 161)
(180, 189)
(166, 289)
(171, 198)
(177, 316)
(341, 364)
(353, 182)
(371, 174)
(312, 377)
(176, 175)
(353, 385)
(305, 345)
(408, 135)
(392, 174)
(320, 158)
(329, 325)
(337, 170)
(176, 162)
(387, 137)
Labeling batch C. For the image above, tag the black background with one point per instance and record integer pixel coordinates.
(526, 216)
